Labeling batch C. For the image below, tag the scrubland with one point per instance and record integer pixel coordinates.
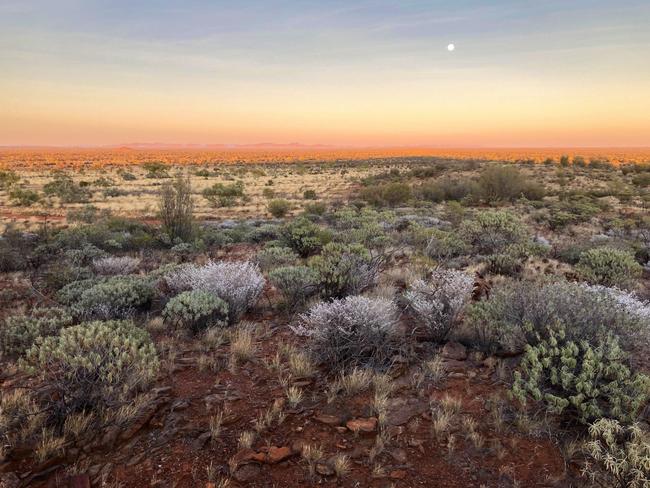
(396, 321)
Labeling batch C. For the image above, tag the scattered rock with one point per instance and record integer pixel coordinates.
(454, 350)
(362, 425)
(454, 365)
(400, 455)
(278, 454)
(398, 474)
(247, 473)
(401, 410)
(329, 419)
(324, 469)
(201, 440)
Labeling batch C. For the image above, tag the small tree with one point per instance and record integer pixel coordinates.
(176, 207)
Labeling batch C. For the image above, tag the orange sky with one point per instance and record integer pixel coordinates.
(368, 74)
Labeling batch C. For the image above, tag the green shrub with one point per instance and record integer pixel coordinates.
(156, 169)
(296, 284)
(23, 197)
(390, 194)
(493, 231)
(67, 190)
(8, 178)
(92, 366)
(275, 257)
(581, 381)
(176, 209)
(19, 332)
(518, 312)
(196, 311)
(621, 452)
(506, 183)
(279, 207)
(608, 266)
(115, 297)
(315, 208)
(446, 245)
(344, 269)
(220, 195)
(303, 236)
(309, 195)
(447, 188)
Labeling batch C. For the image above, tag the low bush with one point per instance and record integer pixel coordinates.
(506, 183)
(579, 380)
(113, 298)
(444, 245)
(389, 194)
(296, 284)
(622, 454)
(67, 190)
(176, 208)
(113, 265)
(436, 304)
(608, 266)
(492, 231)
(221, 195)
(18, 332)
(196, 311)
(345, 269)
(304, 237)
(92, 366)
(275, 257)
(23, 197)
(517, 313)
(239, 284)
(352, 332)
(279, 207)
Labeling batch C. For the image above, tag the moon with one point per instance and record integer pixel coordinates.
(450, 47)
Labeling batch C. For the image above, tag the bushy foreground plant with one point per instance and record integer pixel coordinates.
(275, 257)
(608, 266)
(114, 298)
(296, 284)
(239, 284)
(114, 265)
(621, 452)
(518, 312)
(493, 231)
(352, 332)
(581, 380)
(437, 303)
(93, 365)
(444, 245)
(303, 236)
(196, 311)
(18, 332)
(345, 269)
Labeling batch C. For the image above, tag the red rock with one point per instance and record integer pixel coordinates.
(454, 350)
(278, 454)
(398, 474)
(329, 419)
(79, 481)
(362, 425)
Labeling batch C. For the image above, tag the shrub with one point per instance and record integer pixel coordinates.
(493, 231)
(315, 208)
(279, 207)
(19, 332)
(447, 189)
(295, 283)
(390, 194)
(196, 311)
(497, 183)
(518, 312)
(23, 197)
(113, 265)
(220, 195)
(621, 452)
(176, 208)
(66, 189)
(274, 257)
(436, 304)
(156, 169)
(8, 178)
(352, 332)
(345, 269)
(608, 266)
(20, 417)
(115, 297)
(580, 380)
(239, 284)
(445, 245)
(303, 236)
(93, 366)
(309, 195)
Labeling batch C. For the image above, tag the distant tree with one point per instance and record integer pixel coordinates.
(176, 207)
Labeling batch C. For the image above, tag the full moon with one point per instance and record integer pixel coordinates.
(450, 47)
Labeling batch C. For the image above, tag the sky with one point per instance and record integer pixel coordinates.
(363, 73)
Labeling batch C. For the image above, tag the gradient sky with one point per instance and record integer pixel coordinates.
(375, 72)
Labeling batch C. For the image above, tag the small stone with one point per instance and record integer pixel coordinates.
(201, 440)
(399, 455)
(278, 454)
(247, 473)
(398, 474)
(328, 419)
(362, 425)
(454, 350)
